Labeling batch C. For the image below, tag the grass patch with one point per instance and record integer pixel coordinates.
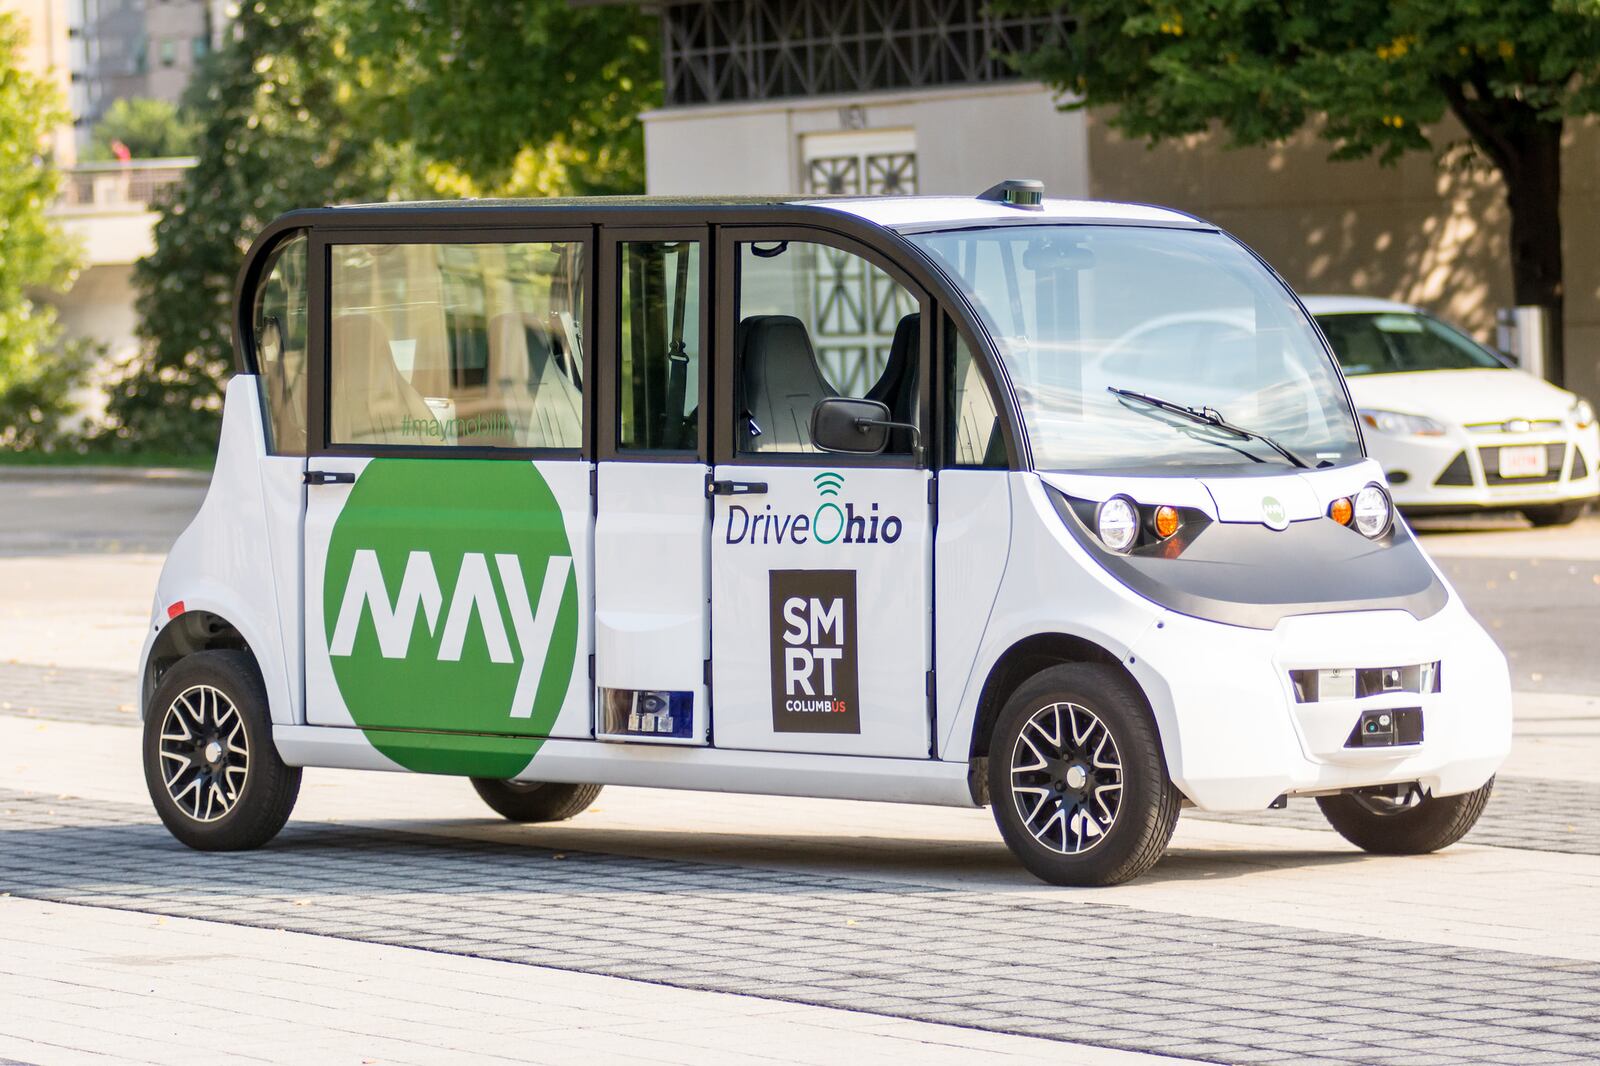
(133, 460)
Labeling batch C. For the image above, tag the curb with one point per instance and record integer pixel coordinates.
(141, 475)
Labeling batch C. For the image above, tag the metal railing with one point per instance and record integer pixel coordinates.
(147, 183)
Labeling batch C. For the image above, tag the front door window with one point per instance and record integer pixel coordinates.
(816, 321)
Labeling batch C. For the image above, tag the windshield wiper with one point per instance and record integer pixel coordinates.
(1210, 416)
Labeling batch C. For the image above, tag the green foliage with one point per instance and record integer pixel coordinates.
(473, 85)
(36, 369)
(151, 129)
(315, 102)
(1377, 71)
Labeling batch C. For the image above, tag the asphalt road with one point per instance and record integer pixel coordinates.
(1536, 590)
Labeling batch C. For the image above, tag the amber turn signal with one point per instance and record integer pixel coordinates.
(1341, 510)
(1166, 521)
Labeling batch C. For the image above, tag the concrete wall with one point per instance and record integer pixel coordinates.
(1406, 232)
(966, 140)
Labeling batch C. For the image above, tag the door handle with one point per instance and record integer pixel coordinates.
(330, 477)
(735, 488)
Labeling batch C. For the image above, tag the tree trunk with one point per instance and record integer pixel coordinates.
(1526, 149)
(1533, 192)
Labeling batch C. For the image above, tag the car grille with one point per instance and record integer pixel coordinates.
(1580, 469)
(1459, 472)
(1555, 459)
(1521, 425)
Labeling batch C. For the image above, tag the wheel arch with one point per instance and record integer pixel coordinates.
(185, 634)
(1023, 660)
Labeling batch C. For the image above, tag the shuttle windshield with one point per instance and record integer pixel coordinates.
(1094, 323)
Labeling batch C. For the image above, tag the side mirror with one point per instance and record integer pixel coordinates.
(857, 427)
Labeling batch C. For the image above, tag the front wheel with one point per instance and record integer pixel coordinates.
(1555, 514)
(1403, 821)
(535, 801)
(1077, 778)
(209, 762)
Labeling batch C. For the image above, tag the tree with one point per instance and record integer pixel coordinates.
(37, 369)
(1374, 75)
(316, 102)
(276, 133)
(149, 129)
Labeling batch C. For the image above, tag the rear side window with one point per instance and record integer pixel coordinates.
(457, 345)
(279, 325)
(659, 388)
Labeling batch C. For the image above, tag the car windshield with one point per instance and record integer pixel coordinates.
(1396, 342)
(1185, 316)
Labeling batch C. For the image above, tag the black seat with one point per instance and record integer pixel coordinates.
(782, 383)
(897, 388)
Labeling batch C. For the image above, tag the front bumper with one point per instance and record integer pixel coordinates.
(1236, 737)
(1460, 470)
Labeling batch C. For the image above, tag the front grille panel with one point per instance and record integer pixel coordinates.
(1555, 458)
(1459, 472)
(1523, 425)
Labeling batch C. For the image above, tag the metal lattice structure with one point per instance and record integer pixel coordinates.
(725, 51)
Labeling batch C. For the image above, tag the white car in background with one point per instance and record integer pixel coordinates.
(1455, 426)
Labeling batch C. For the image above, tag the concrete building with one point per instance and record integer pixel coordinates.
(137, 48)
(108, 209)
(872, 96)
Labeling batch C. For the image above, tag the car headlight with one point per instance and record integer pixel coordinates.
(1583, 413)
(1396, 424)
(1373, 512)
(1117, 522)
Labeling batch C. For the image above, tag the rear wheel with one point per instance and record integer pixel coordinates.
(209, 762)
(1077, 778)
(535, 801)
(1555, 514)
(1403, 821)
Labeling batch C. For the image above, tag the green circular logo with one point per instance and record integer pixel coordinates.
(451, 608)
(1273, 514)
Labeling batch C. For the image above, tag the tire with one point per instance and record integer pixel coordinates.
(535, 801)
(213, 773)
(1383, 827)
(1075, 819)
(1555, 514)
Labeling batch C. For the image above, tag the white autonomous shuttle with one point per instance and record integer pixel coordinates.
(1056, 506)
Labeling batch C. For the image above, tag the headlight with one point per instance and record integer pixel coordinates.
(1117, 522)
(1399, 425)
(1373, 512)
(1583, 413)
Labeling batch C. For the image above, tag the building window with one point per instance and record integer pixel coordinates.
(168, 51)
(200, 46)
(860, 163)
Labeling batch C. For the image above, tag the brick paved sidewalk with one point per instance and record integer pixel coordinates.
(82, 985)
(1051, 966)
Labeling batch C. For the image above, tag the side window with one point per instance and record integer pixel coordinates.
(659, 385)
(974, 437)
(814, 322)
(279, 324)
(465, 345)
